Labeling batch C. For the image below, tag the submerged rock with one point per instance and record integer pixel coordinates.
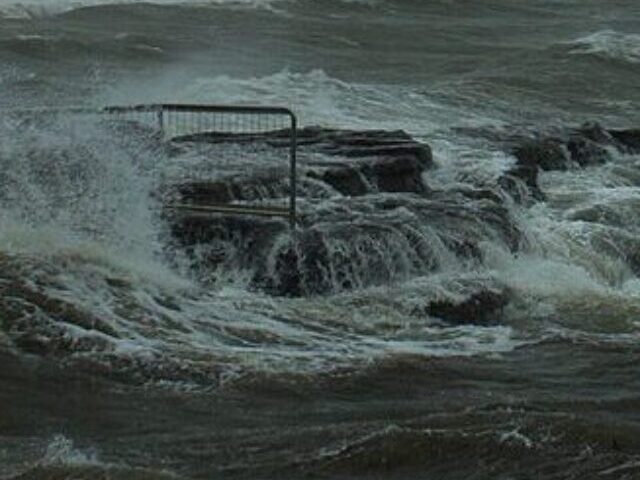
(342, 245)
(483, 308)
(366, 174)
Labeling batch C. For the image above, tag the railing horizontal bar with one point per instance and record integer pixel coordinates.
(248, 109)
(239, 209)
(54, 110)
(174, 107)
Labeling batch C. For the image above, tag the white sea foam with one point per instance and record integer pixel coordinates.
(571, 268)
(38, 8)
(62, 451)
(71, 183)
(609, 44)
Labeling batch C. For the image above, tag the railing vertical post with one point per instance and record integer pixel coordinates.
(161, 119)
(293, 179)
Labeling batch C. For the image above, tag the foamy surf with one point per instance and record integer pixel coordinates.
(147, 316)
(43, 8)
(610, 45)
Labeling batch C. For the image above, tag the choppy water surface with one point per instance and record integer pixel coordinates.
(118, 361)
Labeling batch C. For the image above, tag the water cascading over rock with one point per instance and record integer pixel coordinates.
(367, 217)
(367, 214)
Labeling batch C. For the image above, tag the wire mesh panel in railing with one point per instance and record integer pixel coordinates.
(234, 160)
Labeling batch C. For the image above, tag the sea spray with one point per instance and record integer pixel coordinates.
(75, 176)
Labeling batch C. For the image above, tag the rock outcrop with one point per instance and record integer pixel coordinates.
(366, 216)
(348, 162)
(587, 146)
(366, 213)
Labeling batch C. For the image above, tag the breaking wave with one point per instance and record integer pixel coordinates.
(42, 8)
(610, 45)
(317, 97)
(82, 243)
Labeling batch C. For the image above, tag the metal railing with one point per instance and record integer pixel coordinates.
(217, 124)
(229, 123)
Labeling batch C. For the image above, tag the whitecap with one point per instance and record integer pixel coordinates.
(609, 44)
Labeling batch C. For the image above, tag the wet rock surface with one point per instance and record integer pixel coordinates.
(375, 221)
(366, 215)
(348, 162)
(369, 161)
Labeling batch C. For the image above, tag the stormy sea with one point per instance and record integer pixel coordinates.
(457, 298)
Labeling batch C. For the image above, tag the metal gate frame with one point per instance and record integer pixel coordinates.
(165, 108)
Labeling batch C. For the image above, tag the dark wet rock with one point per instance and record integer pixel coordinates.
(332, 142)
(594, 132)
(533, 155)
(368, 143)
(588, 145)
(340, 251)
(400, 174)
(301, 267)
(376, 160)
(346, 179)
(335, 256)
(483, 307)
(384, 174)
(521, 183)
(351, 162)
(586, 152)
(247, 188)
(628, 140)
(547, 154)
(214, 242)
(36, 323)
(466, 216)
